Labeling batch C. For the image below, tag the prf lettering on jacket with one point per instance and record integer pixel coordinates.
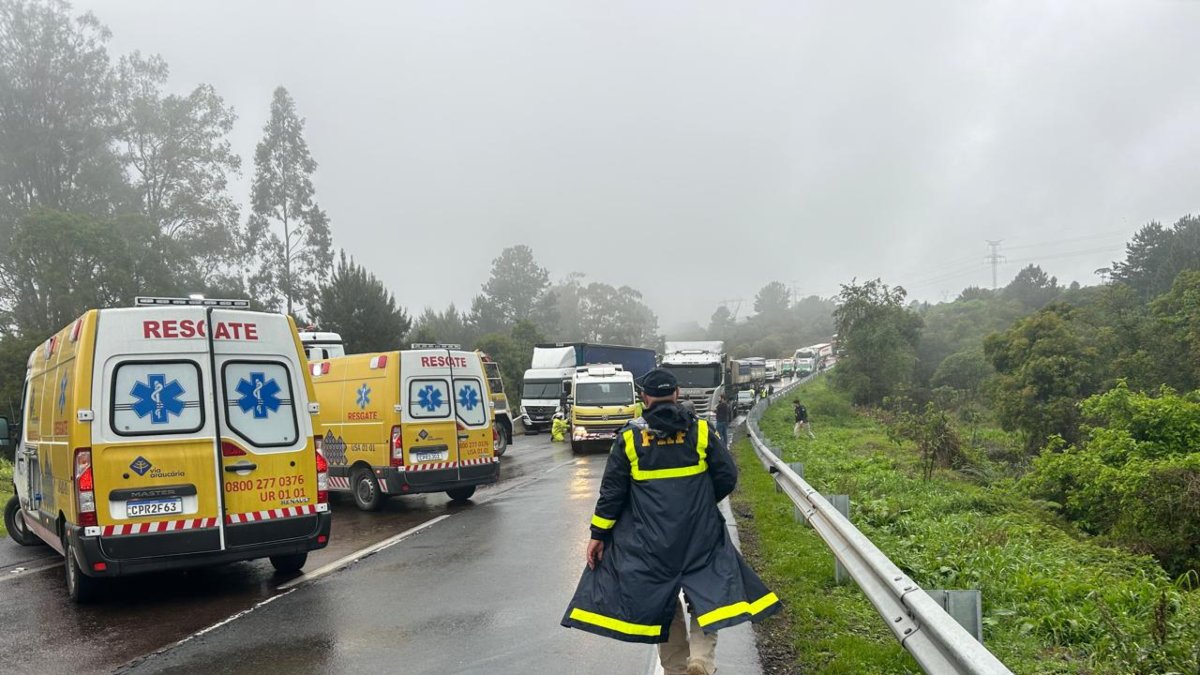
(666, 440)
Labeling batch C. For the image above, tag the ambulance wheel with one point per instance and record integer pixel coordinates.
(501, 442)
(461, 494)
(14, 522)
(289, 564)
(368, 496)
(80, 587)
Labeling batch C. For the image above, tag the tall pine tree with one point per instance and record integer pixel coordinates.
(288, 232)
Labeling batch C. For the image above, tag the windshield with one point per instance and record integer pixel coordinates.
(604, 393)
(541, 389)
(493, 377)
(690, 377)
(745, 395)
(805, 354)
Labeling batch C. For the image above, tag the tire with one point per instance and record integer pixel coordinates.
(368, 496)
(576, 447)
(503, 438)
(290, 563)
(14, 522)
(81, 588)
(461, 494)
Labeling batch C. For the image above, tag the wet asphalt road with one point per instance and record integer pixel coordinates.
(479, 592)
(44, 632)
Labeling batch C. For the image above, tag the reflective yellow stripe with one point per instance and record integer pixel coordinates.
(603, 523)
(679, 472)
(737, 609)
(615, 624)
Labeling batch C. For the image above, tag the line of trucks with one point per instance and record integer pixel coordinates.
(592, 386)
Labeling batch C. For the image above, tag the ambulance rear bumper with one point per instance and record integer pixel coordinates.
(155, 552)
(396, 482)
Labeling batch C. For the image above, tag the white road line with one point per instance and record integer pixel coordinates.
(19, 572)
(360, 554)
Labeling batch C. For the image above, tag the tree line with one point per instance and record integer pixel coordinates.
(1097, 385)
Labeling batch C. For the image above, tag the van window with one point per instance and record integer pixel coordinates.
(428, 399)
(472, 406)
(156, 397)
(258, 402)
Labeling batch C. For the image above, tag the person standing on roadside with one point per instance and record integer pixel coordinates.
(657, 530)
(801, 420)
(724, 417)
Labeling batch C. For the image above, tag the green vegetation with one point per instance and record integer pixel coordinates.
(1055, 600)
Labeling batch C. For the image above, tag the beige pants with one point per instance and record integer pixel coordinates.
(680, 649)
(802, 425)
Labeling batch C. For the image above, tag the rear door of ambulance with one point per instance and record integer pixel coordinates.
(153, 428)
(268, 457)
(473, 413)
(427, 416)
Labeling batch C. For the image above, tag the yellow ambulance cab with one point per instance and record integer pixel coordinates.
(178, 433)
(406, 422)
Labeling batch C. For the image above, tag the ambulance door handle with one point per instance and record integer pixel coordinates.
(463, 437)
(245, 466)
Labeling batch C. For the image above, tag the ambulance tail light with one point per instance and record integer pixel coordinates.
(230, 450)
(322, 476)
(397, 447)
(85, 487)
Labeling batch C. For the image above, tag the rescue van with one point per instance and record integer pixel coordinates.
(406, 422)
(176, 434)
(602, 401)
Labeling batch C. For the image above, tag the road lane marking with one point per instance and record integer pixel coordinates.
(354, 557)
(20, 572)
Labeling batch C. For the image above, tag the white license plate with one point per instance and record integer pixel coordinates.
(430, 456)
(157, 507)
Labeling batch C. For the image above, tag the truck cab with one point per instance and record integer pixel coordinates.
(320, 345)
(602, 401)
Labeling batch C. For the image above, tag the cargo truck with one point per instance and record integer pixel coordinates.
(700, 367)
(548, 381)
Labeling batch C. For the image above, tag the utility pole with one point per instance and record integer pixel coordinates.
(994, 258)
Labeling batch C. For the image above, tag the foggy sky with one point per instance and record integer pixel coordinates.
(698, 150)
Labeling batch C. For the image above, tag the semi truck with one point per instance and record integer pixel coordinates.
(548, 380)
(700, 367)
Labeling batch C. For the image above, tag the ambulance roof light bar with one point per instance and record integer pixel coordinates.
(195, 300)
(435, 345)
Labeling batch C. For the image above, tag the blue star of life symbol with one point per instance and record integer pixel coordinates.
(468, 397)
(157, 398)
(364, 396)
(259, 395)
(62, 393)
(429, 398)
(140, 465)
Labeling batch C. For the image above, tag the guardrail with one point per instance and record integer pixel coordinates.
(938, 642)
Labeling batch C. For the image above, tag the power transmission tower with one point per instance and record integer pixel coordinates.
(994, 258)
(737, 306)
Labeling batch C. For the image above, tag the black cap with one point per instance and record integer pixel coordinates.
(659, 383)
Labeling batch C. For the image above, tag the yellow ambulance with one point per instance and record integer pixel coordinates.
(179, 433)
(406, 422)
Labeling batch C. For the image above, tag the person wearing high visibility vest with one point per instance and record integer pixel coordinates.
(559, 428)
(657, 530)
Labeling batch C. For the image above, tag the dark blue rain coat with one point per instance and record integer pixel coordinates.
(663, 532)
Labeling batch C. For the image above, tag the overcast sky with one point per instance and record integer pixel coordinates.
(697, 150)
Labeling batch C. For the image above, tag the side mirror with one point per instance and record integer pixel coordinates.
(5, 433)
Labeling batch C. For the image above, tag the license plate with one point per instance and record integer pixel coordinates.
(156, 507)
(435, 456)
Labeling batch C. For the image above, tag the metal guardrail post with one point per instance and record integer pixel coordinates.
(842, 504)
(936, 640)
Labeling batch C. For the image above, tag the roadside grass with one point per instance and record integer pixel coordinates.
(6, 488)
(1054, 600)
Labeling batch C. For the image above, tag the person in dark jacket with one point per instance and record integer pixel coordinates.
(724, 417)
(801, 420)
(657, 530)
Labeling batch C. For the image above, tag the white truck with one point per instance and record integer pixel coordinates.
(699, 367)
